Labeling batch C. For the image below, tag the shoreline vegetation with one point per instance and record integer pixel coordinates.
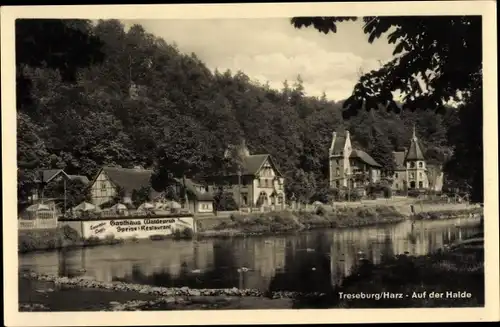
(283, 222)
(242, 225)
(456, 274)
(448, 214)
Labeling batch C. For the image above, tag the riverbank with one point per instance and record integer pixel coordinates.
(242, 225)
(448, 214)
(283, 222)
(39, 292)
(45, 293)
(65, 237)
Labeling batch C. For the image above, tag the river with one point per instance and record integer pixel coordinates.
(307, 261)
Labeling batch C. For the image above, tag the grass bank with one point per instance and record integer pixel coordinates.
(67, 237)
(447, 214)
(280, 222)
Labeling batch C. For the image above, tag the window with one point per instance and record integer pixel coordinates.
(420, 164)
(244, 198)
(396, 177)
(397, 185)
(262, 200)
(412, 175)
(337, 184)
(280, 199)
(412, 164)
(420, 184)
(266, 183)
(338, 172)
(260, 182)
(337, 162)
(103, 186)
(420, 174)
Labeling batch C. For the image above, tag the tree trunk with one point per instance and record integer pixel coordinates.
(239, 187)
(186, 200)
(65, 197)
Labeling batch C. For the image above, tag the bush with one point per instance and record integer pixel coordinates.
(47, 239)
(446, 214)
(414, 193)
(93, 240)
(387, 192)
(187, 233)
(157, 237)
(225, 202)
(283, 221)
(320, 211)
(325, 194)
(111, 240)
(184, 234)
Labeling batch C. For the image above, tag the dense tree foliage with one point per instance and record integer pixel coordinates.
(435, 59)
(147, 104)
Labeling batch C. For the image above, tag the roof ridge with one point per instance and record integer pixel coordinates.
(127, 169)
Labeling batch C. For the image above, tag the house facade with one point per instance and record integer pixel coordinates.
(50, 176)
(412, 170)
(350, 167)
(200, 198)
(109, 180)
(256, 183)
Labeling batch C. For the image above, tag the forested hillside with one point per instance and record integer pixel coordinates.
(144, 102)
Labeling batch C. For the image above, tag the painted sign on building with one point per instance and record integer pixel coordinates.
(139, 228)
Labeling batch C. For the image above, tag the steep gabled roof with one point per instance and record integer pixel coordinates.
(253, 163)
(365, 157)
(81, 178)
(338, 146)
(399, 159)
(415, 151)
(49, 174)
(192, 188)
(126, 178)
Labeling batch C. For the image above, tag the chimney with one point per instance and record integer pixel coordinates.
(347, 136)
(334, 137)
(244, 149)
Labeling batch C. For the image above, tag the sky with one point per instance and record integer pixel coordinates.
(272, 50)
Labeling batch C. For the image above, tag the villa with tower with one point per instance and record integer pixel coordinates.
(351, 167)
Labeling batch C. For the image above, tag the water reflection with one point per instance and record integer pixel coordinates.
(312, 261)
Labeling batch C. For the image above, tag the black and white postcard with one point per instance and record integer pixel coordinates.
(250, 163)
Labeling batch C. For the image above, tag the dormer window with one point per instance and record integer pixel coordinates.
(420, 164)
(412, 164)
